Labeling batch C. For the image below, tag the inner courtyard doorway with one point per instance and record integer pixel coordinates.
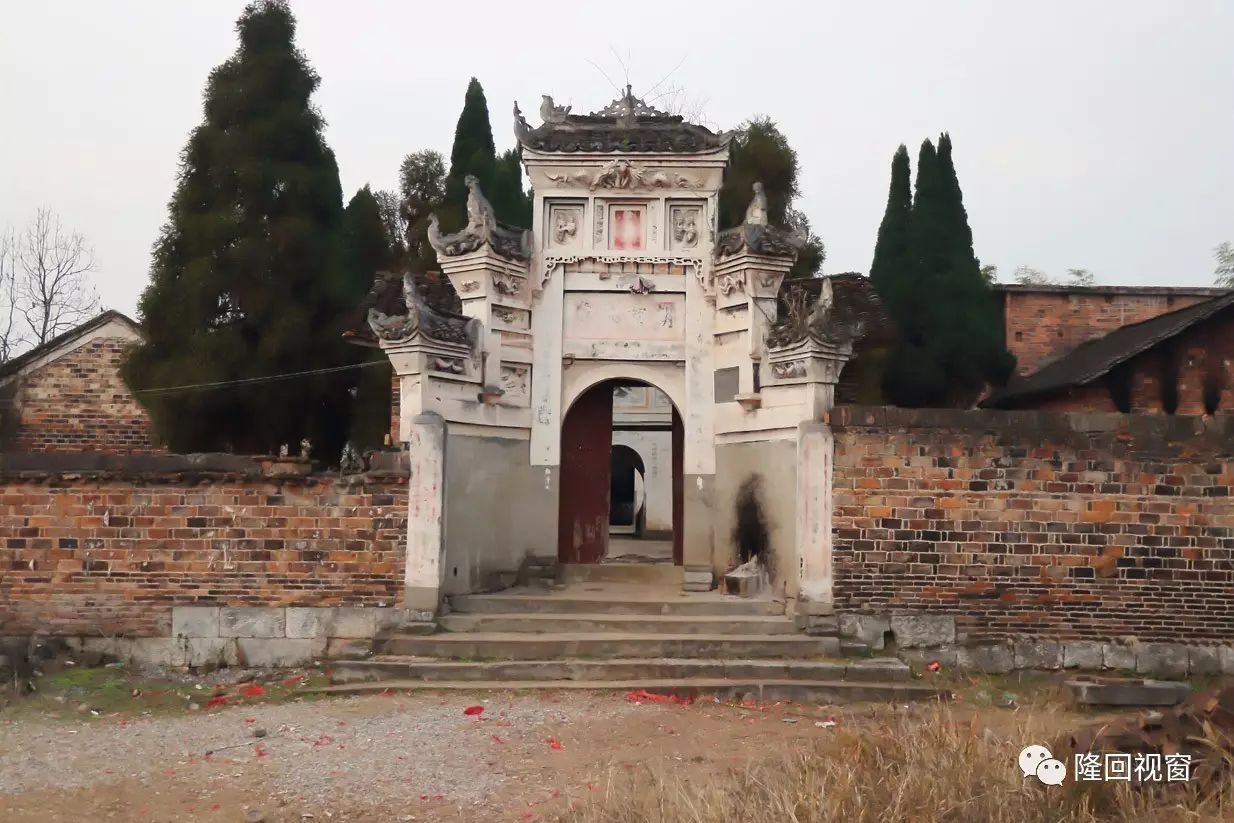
(621, 477)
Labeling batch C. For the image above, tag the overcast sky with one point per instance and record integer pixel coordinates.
(1087, 134)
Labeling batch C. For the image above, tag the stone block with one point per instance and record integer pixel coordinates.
(153, 651)
(870, 629)
(918, 631)
(278, 652)
(1161, 659)
(1038, 654)
(348, 648)
(1129, 692)
(306, 622)
(1118, 656)
(211, 652)
(991, 659)
(403, 621)
(946, 655)
(258, 622)
(1082, 654)
(195, 621)
(352, 623)
(1204, 660)
(1226, 655)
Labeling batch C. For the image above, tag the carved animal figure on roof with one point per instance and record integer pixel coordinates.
(756, 212)
(550, 113)
(480, 215)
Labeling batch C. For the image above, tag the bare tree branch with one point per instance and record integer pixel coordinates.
(10, 331)
(53, 287)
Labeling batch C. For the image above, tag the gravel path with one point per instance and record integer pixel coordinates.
(341, 752)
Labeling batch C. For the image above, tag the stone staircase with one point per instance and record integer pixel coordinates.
(626, 627)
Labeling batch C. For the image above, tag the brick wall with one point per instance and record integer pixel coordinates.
(103, 552)
(1033, 523)
(1043, 323)
(79, 402)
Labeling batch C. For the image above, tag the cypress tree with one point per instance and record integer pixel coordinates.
(473, 153)
(950, 336)
(246, 279)
(887, 272)
(367, 248)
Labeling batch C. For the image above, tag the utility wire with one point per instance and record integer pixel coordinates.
(266, 379)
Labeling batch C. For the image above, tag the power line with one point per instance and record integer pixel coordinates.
(266, 379)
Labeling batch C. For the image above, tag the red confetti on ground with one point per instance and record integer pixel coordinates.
(592, 787)
(497, 739)
(214, 807)
(293, 681)
(260, 751)
(248, 721)
(123, 722)
(529, 816)
(640, 695)
(473, 711)
(324, 740)
(217, 700)
(253, 691)
(385, 693)
(554, 744)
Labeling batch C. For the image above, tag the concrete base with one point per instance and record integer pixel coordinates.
(1129, 692)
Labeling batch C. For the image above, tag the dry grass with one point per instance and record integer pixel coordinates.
(929, 768)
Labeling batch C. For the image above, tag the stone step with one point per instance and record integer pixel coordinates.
(612, 600)
(514, 646)
(631, 623)
(410, 668)
(814, 691)
(662, 574)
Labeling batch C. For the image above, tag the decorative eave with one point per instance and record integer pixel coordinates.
(424, 323)
(482, 229)
(627, 125)
(765, 241)
(821, 327)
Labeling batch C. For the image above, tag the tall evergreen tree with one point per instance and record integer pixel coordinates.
(246, 278)
(888, 271)
(950, 336)
(367, 248)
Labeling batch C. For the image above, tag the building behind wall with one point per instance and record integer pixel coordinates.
(67, 395)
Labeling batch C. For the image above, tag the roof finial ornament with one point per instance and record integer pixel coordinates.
(550, 113)
(626, 108)
(756, 212)
(521, 128)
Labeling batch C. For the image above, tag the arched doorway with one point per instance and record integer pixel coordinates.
(599, 476)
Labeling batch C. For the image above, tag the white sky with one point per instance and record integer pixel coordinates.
(1095, 134)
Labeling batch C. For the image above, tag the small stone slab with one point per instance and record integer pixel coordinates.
(1129, 692)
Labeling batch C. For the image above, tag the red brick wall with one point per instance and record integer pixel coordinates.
(1202, 354)
(79, 402)
(106, 556)
(1023, 523)
(1044, 323)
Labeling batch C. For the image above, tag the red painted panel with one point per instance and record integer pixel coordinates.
(586, 449)
(679, 438)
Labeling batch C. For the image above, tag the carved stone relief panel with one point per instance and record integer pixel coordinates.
(624, 317)
(565, 224)
(515, 380)
(685, 226)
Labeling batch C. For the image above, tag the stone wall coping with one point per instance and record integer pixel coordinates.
(1147, 291)
(1030, 422)
(194, 468)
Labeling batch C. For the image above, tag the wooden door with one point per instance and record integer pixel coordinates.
(679, 437)
(586, 449)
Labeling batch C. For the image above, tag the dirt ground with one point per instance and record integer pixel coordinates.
(386, 757)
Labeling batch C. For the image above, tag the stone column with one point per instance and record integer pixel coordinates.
(426, 512)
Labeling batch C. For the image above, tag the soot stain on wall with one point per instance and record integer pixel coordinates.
(750, 532)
